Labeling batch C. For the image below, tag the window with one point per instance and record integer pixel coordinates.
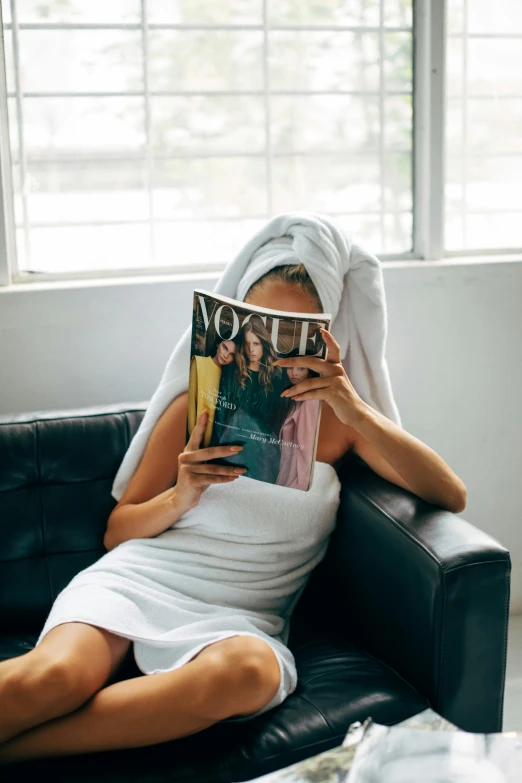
(484, 125)
(166, 133)
(161, 134)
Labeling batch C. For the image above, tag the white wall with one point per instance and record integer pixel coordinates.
(454, 354)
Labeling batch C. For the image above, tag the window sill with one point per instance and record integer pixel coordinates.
(55, 284)
(52, 283)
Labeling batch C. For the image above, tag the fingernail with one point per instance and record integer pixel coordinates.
(239, 470)
(236, 448)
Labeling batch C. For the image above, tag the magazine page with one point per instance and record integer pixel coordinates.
(334, 765)
(233, 376)
(399, 755)
(428, 720)
(330, 766)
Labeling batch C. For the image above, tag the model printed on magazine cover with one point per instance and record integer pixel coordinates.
(204, 379)
(252, 386)
(298, 428)
(203, 566)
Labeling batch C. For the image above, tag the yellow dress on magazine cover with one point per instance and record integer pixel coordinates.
(205, 376)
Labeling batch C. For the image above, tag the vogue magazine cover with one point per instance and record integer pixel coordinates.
(232, 375)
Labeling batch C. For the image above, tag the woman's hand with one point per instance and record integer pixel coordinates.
(194, 474)
(333, 385)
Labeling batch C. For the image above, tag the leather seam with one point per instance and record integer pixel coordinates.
(442, 638)
(329, 674)
(56, 484)
(47, 554)
(506, 626)
(42, 526)
(320, 712)
(127, 431)
(66, 416)
(479, 563)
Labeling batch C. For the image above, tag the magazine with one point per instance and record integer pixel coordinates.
(232, 376)
(407, 755)
(423, 748)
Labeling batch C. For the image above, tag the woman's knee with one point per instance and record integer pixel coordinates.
(39, 679)
(74, 661)
(242, 677)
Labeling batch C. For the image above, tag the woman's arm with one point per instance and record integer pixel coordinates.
(143, 520)
(392, 453)
(378, 439)
(150, 504)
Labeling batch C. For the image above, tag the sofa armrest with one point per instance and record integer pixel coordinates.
(426, 592)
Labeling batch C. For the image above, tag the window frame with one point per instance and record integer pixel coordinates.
(428, 161)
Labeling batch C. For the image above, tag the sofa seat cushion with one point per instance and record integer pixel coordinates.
(338, 684)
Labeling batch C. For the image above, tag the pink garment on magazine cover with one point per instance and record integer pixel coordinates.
(298, 427)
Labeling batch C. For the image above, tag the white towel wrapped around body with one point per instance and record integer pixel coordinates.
(235, 564)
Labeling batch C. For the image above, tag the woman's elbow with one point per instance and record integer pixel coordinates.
(109, 539)
(460, 499)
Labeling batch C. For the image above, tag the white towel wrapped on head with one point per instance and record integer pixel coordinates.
(350, 284)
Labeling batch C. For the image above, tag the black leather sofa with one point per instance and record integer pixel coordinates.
(408, 609)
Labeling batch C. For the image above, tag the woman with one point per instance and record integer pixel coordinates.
(252, 390)
(297, 433)
(57, 699)
(204, 379)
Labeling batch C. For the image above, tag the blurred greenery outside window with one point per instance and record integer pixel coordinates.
(164, 133)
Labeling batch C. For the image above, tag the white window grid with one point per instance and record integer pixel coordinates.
(429, 36)
(466, 157)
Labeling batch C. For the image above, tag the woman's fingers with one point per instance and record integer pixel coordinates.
(205, 480)
(193, 452)
(196, 436)
(225, 470)
(334, 349)
(324, 366)
(199, 479)
(211, 452)
(306, 385)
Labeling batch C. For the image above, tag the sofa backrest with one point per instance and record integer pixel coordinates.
(56, 474)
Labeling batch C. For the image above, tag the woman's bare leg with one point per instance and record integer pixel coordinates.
(238, 675)
(71, 663)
